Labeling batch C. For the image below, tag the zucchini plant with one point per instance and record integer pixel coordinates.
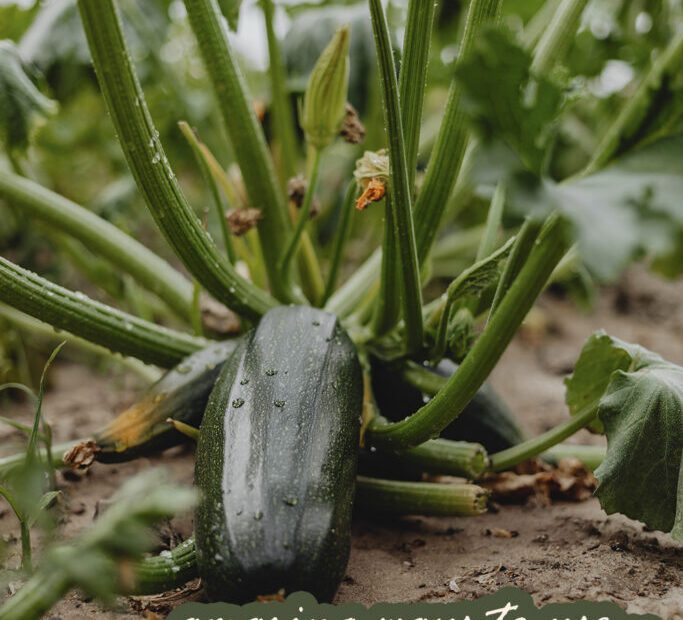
(324, 380)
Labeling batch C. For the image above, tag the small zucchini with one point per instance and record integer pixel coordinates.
(181, 394)
(486, 419)
(276, 460)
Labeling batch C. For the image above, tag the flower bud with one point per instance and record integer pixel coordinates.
(325, 98)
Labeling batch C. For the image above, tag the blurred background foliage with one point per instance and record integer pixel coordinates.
(73, 149)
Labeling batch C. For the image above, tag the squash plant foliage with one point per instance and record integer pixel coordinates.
(499, 131)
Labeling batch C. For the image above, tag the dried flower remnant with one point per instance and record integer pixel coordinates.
(374, 192)
(372, 175)
(296, 192)
(82, 455)
(241, 221)
(352, 129)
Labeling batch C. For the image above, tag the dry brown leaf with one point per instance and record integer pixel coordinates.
(570, 480)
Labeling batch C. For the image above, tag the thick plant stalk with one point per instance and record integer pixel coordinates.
(493, 220)
(447, 155)
(38, 328)
(450, 401)
(346, 299)
(168, 570)
(387, 307)
(413, 77)
(94, 321)
(340, 239)
(245, 134)
(212, 185)
(445, 457)
(524, 242)
(536, 445)
(283, 116)
(399, 186)
(152, 272)
(303, 217)
(558, 36)
(146, 158)
(396, 497)
(152, 575)
(442, 171)
(590, 456)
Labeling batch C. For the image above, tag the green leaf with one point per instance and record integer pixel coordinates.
(231, 11)
(598, 360)
(55, 36)
(21, 103)
(44, 503)
(505, 100)
(472, 282)
(629, 209)
(641, 409)
(466, 289)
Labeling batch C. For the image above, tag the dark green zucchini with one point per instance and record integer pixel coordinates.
(486, 419)
(181, 394)
(276, 460)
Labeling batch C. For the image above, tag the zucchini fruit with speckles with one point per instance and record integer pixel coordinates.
(181, 394)
(276, 460)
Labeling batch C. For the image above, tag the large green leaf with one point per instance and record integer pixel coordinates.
(505, 100)
(629, 209)
(21, 103)
(639, 397)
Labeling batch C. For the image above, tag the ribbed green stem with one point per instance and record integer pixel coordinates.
(279, 98)
(387, 306)
(590, 456)
(340, 239)
(442, 171)
(246, 135)
(9, 464)
(101, 237)
(558, 36)
(170, 569)
(450, 401)
(399, 185)
(303, 218)
(535, 446)
(396, 497)
(413, 77)
(92, 320)
(445, 457)
(449, 149)
(627, 124)
(146, 158)
(38, 328)
(524, 242)
(425, 380)
(493, 219)
(212, 185)
(346, 299)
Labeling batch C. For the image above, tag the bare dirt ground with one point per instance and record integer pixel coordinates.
(561, 552)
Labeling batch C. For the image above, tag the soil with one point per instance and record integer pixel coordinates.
(561, 552)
